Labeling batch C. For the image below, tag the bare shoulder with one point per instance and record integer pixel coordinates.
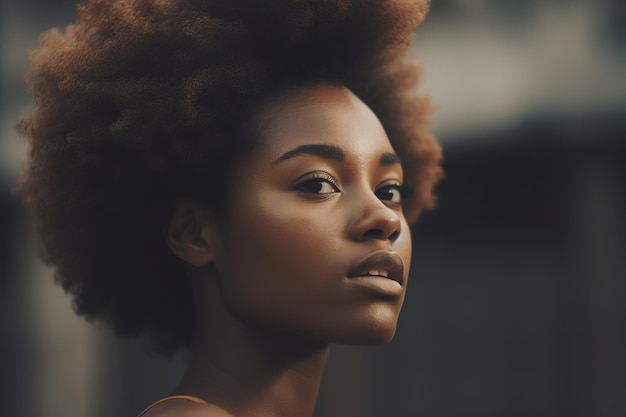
(183, 408)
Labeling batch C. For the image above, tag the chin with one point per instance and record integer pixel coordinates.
(375, 332)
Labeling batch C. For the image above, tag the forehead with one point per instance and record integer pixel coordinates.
(320, 114)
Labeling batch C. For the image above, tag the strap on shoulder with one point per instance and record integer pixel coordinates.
(173, 397)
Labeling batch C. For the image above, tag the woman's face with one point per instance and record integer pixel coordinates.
(315, 242)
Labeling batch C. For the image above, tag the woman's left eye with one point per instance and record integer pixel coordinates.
(391, 193)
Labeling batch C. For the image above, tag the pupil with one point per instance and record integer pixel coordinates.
(313, 187)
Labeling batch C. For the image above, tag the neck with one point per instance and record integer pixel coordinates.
(251, 370)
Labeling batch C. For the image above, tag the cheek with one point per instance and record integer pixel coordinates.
(278, 253)
(404, 247)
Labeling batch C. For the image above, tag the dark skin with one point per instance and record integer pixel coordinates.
(314, 250)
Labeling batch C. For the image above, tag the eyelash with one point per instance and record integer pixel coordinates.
(318, 179)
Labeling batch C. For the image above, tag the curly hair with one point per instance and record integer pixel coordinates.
(142, 102)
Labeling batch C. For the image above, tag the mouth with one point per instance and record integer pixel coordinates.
(381, 264)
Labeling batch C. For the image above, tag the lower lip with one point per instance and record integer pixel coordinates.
(380, 285)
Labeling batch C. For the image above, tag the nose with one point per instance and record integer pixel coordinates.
(375, 221)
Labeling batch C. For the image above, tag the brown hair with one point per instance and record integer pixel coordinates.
(142, 102)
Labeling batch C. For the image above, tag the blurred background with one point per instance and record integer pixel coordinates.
(516, 302)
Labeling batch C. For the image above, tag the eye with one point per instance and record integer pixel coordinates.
(317, 183)
(391, 193)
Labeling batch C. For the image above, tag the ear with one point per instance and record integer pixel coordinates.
(192, 234)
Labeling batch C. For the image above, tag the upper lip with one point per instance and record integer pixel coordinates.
(381, 263)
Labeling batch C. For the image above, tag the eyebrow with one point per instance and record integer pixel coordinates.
(331, 152)
(389, 159)
(325, 151)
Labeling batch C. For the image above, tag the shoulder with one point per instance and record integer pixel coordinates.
(184, 408)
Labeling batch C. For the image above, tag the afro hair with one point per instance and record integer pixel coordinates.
(141, 102)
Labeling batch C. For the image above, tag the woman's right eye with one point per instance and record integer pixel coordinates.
(318, 184)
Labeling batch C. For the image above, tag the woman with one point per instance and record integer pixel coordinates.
(232, 177)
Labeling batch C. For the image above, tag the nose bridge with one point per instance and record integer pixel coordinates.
(373, 219)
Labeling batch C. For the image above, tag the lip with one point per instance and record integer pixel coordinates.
(379, 265)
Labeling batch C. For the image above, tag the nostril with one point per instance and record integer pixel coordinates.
(380, 234)
(374, 234)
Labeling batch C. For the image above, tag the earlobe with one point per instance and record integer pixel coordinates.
(190, 234)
